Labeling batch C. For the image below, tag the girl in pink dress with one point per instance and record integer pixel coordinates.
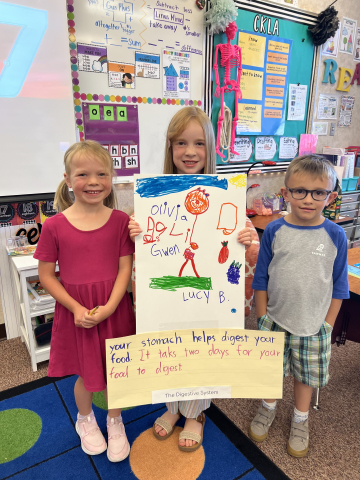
(190, 149)
(90, 241)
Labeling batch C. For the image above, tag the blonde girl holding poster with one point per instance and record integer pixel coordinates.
(190, 150)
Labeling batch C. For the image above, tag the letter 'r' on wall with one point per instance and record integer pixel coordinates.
(344, 77)
(330, 68)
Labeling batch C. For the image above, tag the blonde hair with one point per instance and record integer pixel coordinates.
(177, 125)
(314, 165)
(63, 199)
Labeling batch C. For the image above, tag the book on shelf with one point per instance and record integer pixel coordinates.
(36, 305)
(39, 292)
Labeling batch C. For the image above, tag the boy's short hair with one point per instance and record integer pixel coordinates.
(314, 165)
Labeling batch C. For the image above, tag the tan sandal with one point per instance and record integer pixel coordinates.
(165, 425)
(186, 435)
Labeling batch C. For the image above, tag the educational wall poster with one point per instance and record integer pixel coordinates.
(194, 364)
(265, 148)
(307, 144)
(8, 216)
(346, 109)
(331, 46)
(121, 75)
(297, 102)
(176, 74)
(357, 46)
(116, 127)
(327, 107)
(288, 148)
(320, 128)
(264, 82)
(188, 260)
(47, 210)
(92, 58)
(244, 147)
(147, 65)
(348, 36)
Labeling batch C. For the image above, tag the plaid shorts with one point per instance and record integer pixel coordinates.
(305, 358)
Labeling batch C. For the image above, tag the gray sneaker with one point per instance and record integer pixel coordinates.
(298, 443)
(259, 427)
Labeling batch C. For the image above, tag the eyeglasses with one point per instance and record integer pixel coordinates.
(301, 193)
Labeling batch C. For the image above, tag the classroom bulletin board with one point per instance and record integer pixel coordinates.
(147, 56)
(288, 57)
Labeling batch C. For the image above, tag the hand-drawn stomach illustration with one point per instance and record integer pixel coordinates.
(233, 274)
(227, 218)
(224, 252)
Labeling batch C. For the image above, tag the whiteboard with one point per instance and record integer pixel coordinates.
(122, 30)
(36, 104)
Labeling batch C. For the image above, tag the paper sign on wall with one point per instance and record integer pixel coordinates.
(92, 58)
(357, 46)
(244, 147)
(121, 75)
(288, 147)
(348, 36)
(176, 74)
(265, 148)
(147, 65)
(297, 102)
(192, 365)
(331, 46)
(320, 128)
(327, 107)
(264, 90)
(346, 109)
(182, 264)
(307, 144)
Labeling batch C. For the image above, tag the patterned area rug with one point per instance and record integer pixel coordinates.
(38, 441)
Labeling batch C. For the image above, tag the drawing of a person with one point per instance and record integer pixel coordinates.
(127, 80)
(189, 255)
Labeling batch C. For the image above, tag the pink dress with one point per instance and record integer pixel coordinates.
(88, 264)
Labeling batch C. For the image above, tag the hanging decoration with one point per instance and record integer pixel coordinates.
(221, 13)
(200, 4)
(326, 25)
(230, 57)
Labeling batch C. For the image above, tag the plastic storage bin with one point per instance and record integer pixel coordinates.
(349, 184)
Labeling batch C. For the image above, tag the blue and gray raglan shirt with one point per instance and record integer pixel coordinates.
(302, 269)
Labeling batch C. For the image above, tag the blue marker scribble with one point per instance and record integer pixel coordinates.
(159, 186)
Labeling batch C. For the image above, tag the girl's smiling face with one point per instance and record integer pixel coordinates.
(90, 180)
(189, 149)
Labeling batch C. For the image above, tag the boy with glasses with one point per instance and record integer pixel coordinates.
(300, 280)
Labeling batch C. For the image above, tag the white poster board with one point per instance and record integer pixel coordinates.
(190, 268)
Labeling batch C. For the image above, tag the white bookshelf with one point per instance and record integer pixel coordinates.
(22, 268)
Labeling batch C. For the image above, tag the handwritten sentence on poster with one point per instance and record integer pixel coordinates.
(172, 365)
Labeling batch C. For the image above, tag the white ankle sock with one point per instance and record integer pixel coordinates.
(81, 417)
(300, 416)
(108, 419)
(269, 406)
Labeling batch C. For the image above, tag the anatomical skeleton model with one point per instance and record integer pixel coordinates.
(230, 57)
